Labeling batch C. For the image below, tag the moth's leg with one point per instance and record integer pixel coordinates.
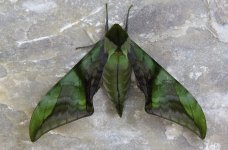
(106, 24)
(87, 46)
(91, 38)
(126, 25)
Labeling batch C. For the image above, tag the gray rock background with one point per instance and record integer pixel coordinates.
(37, 47)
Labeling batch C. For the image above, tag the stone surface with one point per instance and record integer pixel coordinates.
(37, 47)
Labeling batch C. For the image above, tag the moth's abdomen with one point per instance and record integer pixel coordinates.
(116, 79)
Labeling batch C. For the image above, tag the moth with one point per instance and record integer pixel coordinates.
(110, 62)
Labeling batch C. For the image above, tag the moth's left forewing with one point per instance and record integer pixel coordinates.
(109, 47)
(71, 98)
(165, 96)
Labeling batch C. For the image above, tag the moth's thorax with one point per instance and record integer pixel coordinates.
(117, 35)
(116, 78)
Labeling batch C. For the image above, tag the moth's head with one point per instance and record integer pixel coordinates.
(117, 35)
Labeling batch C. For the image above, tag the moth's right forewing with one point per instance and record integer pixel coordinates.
(165, 96)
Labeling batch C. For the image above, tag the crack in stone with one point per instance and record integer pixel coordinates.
(70, 25)
(62, 29)
(20, 43)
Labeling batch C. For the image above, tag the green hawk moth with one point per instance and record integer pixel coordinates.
(110, 62)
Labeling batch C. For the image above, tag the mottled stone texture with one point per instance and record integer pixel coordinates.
(37, 47)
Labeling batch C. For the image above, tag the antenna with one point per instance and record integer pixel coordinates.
(126, 26)
(106, 24)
